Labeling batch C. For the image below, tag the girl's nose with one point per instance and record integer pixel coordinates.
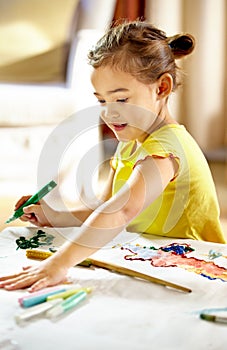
(110, 111)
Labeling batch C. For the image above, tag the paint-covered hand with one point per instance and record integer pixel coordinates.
(45, 274)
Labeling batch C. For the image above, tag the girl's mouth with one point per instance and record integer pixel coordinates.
(119, 127)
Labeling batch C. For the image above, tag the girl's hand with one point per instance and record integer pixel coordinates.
(46, 274)
(35, 213)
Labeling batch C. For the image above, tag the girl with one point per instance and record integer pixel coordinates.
(160, 182)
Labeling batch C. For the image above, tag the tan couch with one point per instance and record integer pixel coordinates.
(30, 111)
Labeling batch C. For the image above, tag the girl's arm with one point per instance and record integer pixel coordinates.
(77, 216)
(44, 215)
(147, 182)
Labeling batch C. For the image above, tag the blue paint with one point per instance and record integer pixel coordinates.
(179, 249)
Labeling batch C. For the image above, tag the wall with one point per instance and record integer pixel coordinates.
(201, 105)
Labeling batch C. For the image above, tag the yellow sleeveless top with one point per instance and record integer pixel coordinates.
(188, 207)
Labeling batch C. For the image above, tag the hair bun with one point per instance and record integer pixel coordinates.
(181, 44)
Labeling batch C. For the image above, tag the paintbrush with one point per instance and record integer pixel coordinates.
(39, 254)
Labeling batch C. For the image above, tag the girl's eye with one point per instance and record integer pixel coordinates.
(101, 102)
(122, 100)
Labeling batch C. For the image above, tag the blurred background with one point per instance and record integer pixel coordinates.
(44, 78)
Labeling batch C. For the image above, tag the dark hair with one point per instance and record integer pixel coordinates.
(142, 50)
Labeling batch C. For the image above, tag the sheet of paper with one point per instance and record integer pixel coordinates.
(125, 312)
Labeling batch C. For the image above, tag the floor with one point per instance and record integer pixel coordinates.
(218, 169)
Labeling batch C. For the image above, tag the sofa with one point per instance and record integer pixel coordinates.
(31, 111)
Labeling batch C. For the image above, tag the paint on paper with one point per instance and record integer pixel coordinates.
(175, 255)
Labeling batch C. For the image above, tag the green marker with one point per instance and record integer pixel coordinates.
(213, 318)
(32, 200)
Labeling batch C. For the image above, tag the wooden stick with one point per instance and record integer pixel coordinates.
(136, 274)
(39, 254)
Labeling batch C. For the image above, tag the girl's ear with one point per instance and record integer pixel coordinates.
(164, 85)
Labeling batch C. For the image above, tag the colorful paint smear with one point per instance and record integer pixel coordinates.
(175, 255)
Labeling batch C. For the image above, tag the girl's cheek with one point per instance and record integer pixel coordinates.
(103, 114)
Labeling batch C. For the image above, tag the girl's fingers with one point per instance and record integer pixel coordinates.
(29, 217)
(31, 213)
(25, 268)
(43, 283)
(46, 282)
(5, 278)
(13, 279)
(25, 217)
(30, 209)
(21, 283)
(35, 277)
(21, 201)
(24, 279)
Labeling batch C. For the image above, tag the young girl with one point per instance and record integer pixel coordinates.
(160, 182)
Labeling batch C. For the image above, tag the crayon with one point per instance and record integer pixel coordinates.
(68, 293)
(68, 304)
(36, 310)
(40, 298)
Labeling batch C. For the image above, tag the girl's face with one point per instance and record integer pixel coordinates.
(129, 106)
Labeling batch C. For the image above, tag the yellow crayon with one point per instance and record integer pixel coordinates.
(37, 254)
(67, 293)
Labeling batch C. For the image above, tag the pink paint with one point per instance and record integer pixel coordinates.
(162, 258)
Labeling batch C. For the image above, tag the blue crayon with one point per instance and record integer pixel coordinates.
(37, 299)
